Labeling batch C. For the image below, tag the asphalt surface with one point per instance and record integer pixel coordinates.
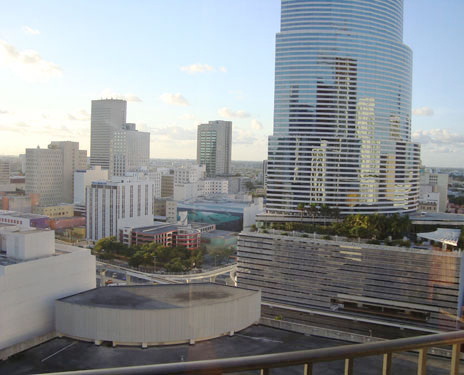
(66, 355)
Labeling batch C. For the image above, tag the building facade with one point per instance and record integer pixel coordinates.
(32, 276)
(50, 171)
(214, 147)
(434, 183)
(4, 172)
(342, 110)
(130, 150)
(385, 284)
(122, 202)
(107, 117)
(82, 179)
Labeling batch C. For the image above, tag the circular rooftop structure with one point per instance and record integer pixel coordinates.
(157, 314)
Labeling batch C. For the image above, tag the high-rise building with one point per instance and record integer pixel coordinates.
(130, 150)
(342, 110)
(122, 202)
(4, 172)
(107, 117)
(50, 171)
(214, 147)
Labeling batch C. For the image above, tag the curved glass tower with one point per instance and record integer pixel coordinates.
(342, 109)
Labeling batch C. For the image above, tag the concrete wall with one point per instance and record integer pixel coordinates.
(28, 291)
(162, 326)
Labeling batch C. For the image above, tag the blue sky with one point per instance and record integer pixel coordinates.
(183, 62)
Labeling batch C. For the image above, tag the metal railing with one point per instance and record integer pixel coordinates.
(305, 358)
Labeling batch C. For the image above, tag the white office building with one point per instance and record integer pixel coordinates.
(189, 174)
(130, 150)
(214, 147)
(34, 272)
(121, 202)
(107, 117)
(50, 171)
(434, 183)
(84, 178)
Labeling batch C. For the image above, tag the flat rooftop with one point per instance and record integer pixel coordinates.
(64, 354)
(218, 204)
(22, 215)
(152, 297)
(156, 228)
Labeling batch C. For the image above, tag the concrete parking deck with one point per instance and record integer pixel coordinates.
(66, 354)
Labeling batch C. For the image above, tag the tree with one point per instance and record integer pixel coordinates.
(301, 208)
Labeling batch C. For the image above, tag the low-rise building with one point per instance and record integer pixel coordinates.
(34, 272)
(166, 234)
(54, 212)
(24, 220)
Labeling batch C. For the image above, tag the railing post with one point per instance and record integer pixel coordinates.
(308, 369)
(387, 364)
(265, 371)
(455, 359)
(422, 362)
(349, 366)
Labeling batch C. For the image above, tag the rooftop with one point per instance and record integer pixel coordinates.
(64, 354)
(22, 215)
(157, 228)
(152, 297)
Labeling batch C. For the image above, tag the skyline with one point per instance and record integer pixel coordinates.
(173, 83)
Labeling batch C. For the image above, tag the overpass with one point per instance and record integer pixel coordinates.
(166, 278)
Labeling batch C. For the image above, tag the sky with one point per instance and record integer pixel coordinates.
(180, 63)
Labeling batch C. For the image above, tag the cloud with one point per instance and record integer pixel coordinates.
(81, 115)
(201, 68)
(108, 93)
(197, 68)
(423, 111)
(30, 30)
(440, 140)
(174, 99)
(228, 113)
(246, 137)
(27, 64)
(187, 116)
(256, 125)
(173, 133)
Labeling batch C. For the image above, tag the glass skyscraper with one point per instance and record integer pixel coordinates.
(342, 109)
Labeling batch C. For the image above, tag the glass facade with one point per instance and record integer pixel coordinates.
(342, 109)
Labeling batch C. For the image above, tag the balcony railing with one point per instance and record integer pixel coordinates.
(306, 358)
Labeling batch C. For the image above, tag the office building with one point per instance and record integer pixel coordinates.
(130, 150)
(4, 172)
(166, 234)
(34, 271)
(107, 117)
(50, 171)
(82, 179)
(214, 147)
(342, 110)
(167, 186)
(433, 186)
(121, 202)
(55, 212)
